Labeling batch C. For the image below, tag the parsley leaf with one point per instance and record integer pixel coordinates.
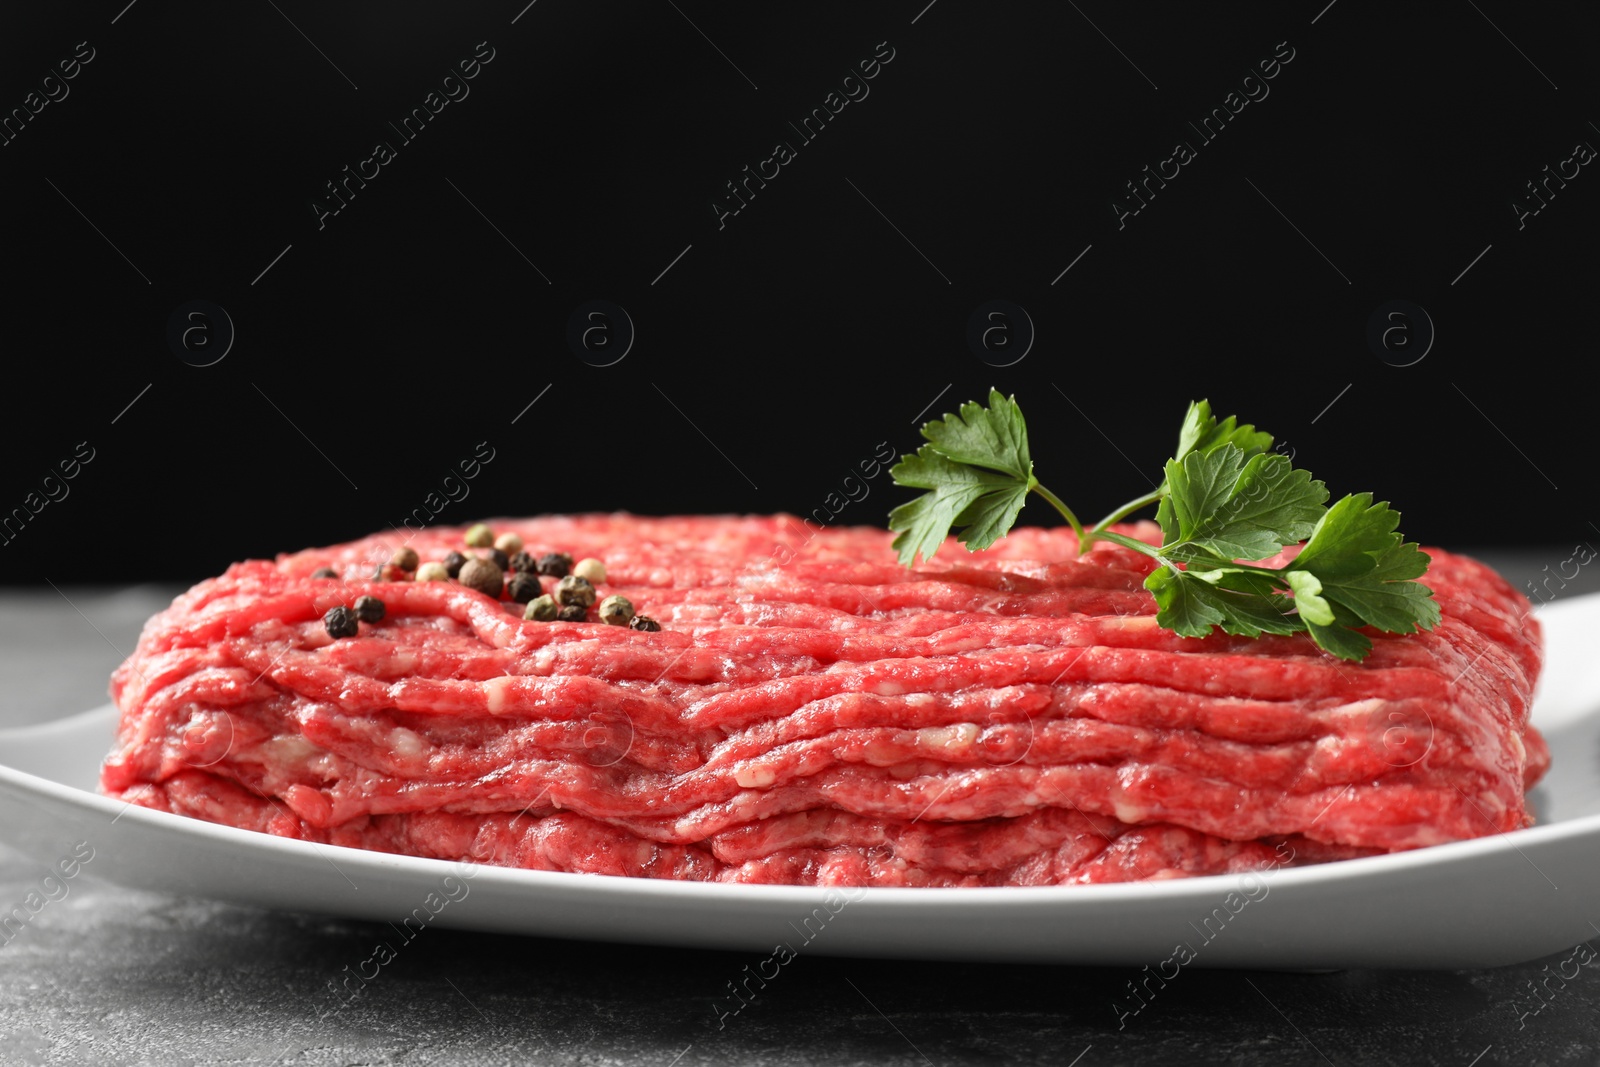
(1186, 604)
(1221, 504)
(977, 467)
(1191, 602)
(993, 437)
(1341, 636)
(1365, 567)
(1202, 432)
(986, 502)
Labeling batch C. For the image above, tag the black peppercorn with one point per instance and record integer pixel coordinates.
(498, 558)
(324, 572)
(573, 613)
(645, 623)
(616, 610)
(523, 587)
(575, 590)
(341, 622)
(555, 565)
(369, 608)
(524, 563)
(453, 563)
(482, 575)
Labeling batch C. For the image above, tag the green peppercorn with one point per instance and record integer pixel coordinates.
(324, 572)
(341, 622)
(482, 575)
(480, 536)
(433, 572)
(555, 565)
(524, 563)
(592, 569)
(509, 543)
(573, 613)
(453, 563)
(405, 559)
(645, 623)
(541, 609)
(369, 608)
(523, 587)
(575, 590)
(616, 610)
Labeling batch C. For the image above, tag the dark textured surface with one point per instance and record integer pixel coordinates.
(118, 978)
(111, 976)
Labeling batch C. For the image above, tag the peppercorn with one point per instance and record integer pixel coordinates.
(453, 563)
(575, 590)
(616, 610)
(573, 613)
(388, 572)
(480, 536)
(524, 563)
(555, 565)
(369, 608)
(523, 587)
(324, 572)
(405, 558)
(482, 575)
(592, 569)
(433, 571)
(645, 623)
(541, 609)
(499, 559)
(340, 621)
(509, 543)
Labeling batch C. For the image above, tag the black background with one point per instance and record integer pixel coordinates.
(780, 348)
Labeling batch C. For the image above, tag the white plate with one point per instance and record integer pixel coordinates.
(1481, 903)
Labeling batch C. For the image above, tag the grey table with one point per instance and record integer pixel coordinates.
(111, 976)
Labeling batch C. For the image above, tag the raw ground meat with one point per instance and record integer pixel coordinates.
(813, 713)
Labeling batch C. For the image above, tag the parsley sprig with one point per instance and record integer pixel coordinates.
(1224, 497)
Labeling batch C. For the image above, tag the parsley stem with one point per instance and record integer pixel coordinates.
(1130, 542)
(1152, 497)
(1275, 573)
(1066, 512)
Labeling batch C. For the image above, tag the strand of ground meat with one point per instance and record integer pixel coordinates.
(380, 765)
(818, 848)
